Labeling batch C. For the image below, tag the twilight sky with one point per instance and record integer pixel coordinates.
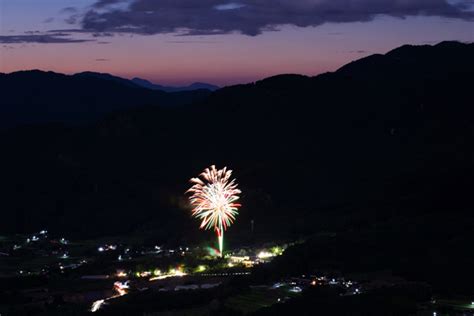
(218, 41)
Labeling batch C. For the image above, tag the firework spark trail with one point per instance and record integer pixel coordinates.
(214, 198)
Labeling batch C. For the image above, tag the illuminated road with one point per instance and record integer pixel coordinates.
(119, 287)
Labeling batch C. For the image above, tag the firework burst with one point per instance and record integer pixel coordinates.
(213, 197)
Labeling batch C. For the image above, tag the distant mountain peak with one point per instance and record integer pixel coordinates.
(106, 76)
(194, 86)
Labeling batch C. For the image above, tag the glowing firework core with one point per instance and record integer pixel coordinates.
(214, 198)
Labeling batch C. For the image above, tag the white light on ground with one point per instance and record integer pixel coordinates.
(296, 289)
(265, 255)
(97, 305)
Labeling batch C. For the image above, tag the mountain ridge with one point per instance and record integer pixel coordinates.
(194, 86)
(35, 97)
(348, 140)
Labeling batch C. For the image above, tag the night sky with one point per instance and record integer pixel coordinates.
(217, 41)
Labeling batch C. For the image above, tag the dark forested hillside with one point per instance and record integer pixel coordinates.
(385, 136)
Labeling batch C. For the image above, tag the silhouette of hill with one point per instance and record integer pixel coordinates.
(35, 97)
(105, 76)
(378, 153)
(195, 86)
(367, 124)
